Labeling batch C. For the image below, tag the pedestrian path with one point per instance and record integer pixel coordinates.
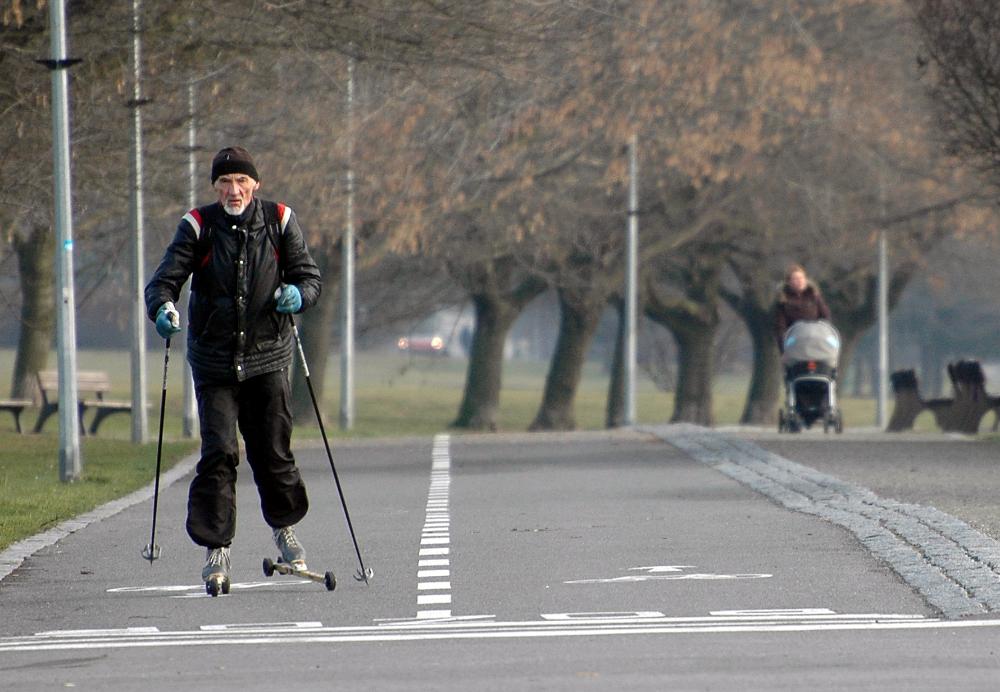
(955, 567)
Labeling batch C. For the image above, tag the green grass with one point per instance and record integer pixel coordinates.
(395, 396)
(32, 497)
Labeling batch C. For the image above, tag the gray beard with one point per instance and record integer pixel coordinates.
(234, 211)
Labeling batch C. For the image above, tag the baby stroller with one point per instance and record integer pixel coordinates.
(810, 361)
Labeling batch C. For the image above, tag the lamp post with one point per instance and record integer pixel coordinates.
(70, 463)
(631, 278)
(347, 275)
(140, 424)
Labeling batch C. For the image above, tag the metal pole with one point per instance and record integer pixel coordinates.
(70, 463)
(140, 424)
(347, 276)
(631, 278)
(882, 404)
(190, 415)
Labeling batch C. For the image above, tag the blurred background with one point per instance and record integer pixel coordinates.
(479, 153)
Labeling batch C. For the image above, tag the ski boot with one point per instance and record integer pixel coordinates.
(292, 560)
(292, 552)
(216, 571)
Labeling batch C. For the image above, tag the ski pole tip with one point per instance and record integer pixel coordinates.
(151, 552)
(364, 575)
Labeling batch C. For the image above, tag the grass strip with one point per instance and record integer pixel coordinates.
(33, 499)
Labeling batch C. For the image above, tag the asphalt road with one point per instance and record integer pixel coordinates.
(669, 558)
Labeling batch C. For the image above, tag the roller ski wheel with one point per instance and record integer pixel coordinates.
(216, 571)
(217, 585)
(327, 579)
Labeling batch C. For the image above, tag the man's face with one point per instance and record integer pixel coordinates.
(235, 191)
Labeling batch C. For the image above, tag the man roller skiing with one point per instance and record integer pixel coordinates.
(251, 270)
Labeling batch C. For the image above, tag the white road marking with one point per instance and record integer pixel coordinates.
(98, 633)
(427, 573)
(186, 589)
(657, 574)
(258, 627)
(603, 617)
(443, 627)
(433, 599)
(661, 568)
(436, 532)
(434, 586)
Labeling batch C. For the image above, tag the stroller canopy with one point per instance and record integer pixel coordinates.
(811, 340)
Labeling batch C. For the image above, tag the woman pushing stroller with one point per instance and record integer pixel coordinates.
(798, 299)
(810, 348)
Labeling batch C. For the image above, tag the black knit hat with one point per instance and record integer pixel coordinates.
(233, 160)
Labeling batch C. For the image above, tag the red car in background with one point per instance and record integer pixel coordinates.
(430, 345)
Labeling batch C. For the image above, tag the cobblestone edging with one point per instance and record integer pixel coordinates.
(953, 566)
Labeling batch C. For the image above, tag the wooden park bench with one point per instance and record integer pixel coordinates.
(959, 413)
(92, 382)
(15, 406)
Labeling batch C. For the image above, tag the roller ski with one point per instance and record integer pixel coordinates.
(292, 560)
(216, 571)
(298, 569)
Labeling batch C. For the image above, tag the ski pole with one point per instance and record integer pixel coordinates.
(363, 573)
(152, 551)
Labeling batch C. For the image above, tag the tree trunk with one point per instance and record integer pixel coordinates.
(766, 381)
(693, 320)
(580, 312)
(615, 413)
(498, 296)
(755, 306)
(695, 372)
(481, 400)
(853, 305)
(38, 307)
(694, 333)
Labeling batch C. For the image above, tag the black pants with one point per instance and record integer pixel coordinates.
(259, 407)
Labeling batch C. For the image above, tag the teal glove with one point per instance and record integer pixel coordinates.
(289, 299)
(168, 320)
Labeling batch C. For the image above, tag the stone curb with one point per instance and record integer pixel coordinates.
(953, 566)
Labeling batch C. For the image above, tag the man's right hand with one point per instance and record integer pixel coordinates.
(168, 320)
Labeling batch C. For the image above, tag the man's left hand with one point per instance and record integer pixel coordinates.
(289, 299)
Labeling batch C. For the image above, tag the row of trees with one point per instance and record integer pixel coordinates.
(487, 142)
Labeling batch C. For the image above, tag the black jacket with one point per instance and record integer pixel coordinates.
(790, 307)
(233, 330)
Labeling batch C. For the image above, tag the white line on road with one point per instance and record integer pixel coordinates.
(555, 625)
(436, 532)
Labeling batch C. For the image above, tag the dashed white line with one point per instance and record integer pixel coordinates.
(436, 532)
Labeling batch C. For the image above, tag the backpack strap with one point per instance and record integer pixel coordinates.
(196, 219)
(276, 217)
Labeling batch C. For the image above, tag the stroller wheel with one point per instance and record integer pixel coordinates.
(793, 423)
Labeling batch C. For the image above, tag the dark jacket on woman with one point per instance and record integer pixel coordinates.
(237, 263)
(790, 307)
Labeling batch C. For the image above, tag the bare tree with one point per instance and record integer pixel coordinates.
(959, 53)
